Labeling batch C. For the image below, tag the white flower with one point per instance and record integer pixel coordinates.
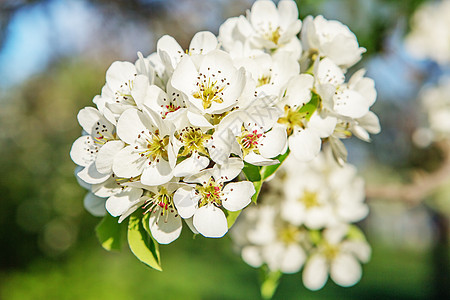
(124, 88)
(430, 34)
(436, 103)
(265, 239)
(352, 99)
(212, 88)
(331, 39)
(149, 153)
(337, 256)
(322, 193)
(250, 132)
(270, 26)
(99, 133)
(171, 52)
(271, 73)
(305, 130)
(203, 201)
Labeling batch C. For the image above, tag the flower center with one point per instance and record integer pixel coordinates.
(330, 251)
(193, 140)
(209, 91)
(161, 201)
(289, 234)
(263, 80)
(102, 134)
(249, 141)
(309, 199)
(292, 118)
(154, 146)
(169, 109)
(272, 35)
(123, 95)
(210, 192)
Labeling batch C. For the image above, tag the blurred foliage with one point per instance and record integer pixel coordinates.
(40, 196)
(48, 239)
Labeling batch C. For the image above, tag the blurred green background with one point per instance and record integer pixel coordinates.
(53, 59)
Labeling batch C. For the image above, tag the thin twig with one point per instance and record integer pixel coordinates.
(422, 185)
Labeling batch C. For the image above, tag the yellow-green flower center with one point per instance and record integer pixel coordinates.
(273, 35)
(309, 199)
(156, 146)
(292, 118)
(209, 91)
(289, 234)
(193, 140)
(163, 199)
(263, 80)
(249, 141)
(210, 192)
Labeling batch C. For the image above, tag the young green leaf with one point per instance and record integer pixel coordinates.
(141, 243)
(252, 172)
(231, 217)
(269, 284)
(110, 233)
(267, 171)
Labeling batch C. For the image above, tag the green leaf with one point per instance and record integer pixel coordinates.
(232, 216)
(309, 108)
(110, 233)
(258, 185)
(269, 284)
(355, 233)
(267, 171)
(252, 172)
(141, 242)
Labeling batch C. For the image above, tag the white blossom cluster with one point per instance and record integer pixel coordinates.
(435, 102)
(303, 220)
(171, 133)
(429, 37)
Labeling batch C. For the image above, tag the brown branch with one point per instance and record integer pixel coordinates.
(422, 185)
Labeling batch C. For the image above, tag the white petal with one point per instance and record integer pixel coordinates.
(210, 221)
(94, 205)
(184, 78)
(293, 259)
(106, 154)
(345, 270)
(130, 125)
(252, 256)
(324, 127)
(350, 104)
(298, 91)
(157, 173)
(169, 51)
(191, 165)
(165, 228)
(203, 42)
(128, 163)
(90, 175)
(89, 118)
(237, 195)
(140, 90)
(259, 160)
(263, 12)
(118, 204)
(305, 144)
(198, 120)
(185, 202)
(118, 73)
(229, 170)
(315, 274)
(273, 143)
(80, 153)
